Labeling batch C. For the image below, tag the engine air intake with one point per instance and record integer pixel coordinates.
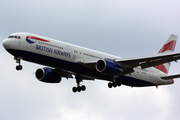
(108, 67)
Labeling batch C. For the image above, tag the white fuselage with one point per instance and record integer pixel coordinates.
(30, 46)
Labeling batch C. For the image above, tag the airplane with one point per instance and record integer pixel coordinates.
(65, 60)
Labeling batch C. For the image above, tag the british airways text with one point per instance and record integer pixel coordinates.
(54, 51)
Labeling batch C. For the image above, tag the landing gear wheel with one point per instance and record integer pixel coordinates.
(118, 84)
(114, 84)
(79, 88)
(74, 89)
(83, 88)
(19, 67)
(110, 84)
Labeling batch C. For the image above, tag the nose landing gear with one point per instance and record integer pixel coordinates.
(18, 60)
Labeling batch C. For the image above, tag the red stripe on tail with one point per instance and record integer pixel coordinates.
(169, 46)
(162, 68)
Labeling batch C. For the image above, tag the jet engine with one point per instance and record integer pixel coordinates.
(47, 75)
(108, 67)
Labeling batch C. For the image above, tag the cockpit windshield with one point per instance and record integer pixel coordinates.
(17, 37)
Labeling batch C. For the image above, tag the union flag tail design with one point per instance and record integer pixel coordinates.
(168, 47)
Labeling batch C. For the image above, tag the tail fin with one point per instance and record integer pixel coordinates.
(168, 47)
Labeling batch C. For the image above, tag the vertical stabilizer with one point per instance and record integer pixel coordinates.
(168, 47)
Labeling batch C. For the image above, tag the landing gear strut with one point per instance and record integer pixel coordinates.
(78, 88)
(18, 60)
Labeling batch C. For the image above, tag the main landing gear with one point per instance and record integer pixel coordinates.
(18, 60)
(114, 84)
(78, 88)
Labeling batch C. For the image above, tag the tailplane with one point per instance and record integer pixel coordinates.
(168, 47)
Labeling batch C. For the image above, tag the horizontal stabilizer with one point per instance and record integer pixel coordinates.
(170, 77)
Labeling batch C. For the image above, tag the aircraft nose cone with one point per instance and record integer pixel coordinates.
(5, 43)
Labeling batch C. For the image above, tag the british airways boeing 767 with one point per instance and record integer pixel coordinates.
(67, 60)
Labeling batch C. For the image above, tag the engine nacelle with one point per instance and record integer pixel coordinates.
(108, 67)
(47, 75)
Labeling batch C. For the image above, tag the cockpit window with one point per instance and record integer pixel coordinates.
(17, 37)
(10, 36)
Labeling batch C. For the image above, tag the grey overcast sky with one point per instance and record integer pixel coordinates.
(127, 28)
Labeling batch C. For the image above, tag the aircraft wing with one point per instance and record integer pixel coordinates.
(149, 61)
(68, 74)
(91, 64)
(63, 73)
(144, 62)
(170, 77)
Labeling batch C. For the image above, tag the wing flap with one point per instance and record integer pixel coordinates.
(68, 74)
(63, 73)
